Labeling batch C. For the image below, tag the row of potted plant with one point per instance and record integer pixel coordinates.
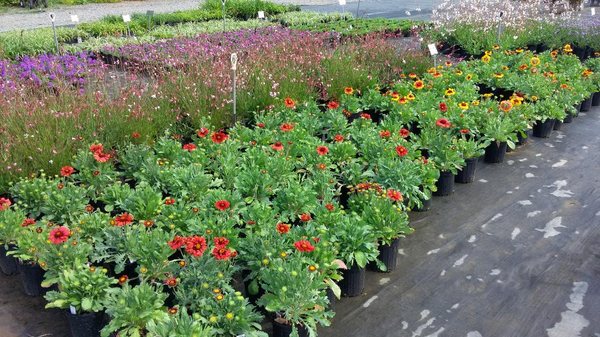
(191, 232)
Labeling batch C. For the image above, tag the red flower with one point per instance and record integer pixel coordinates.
(101, 157)
(348, 90)
(316, 240)
(305, 217)
(394, 195)
(171, 282)
(322, 150)
(385, 134)
(333, 105)
(123, 219)
(464, 131)
(202, 133)
(401, 150)
(94, 148)
(330, 207)
(195, 245)
(136, 135)
(89, 208)
(222, 205)
(443, 107)
(169, 201)
(283, 228)
(123, 279)
(277, 146)
(443, 123)
(28, 222)
(365, 116)
(189, 147)
(66, 171)
(177, 242)
(219, 137)
(4, 204)
(96, 173)
(221, 241)
(304, 246)
(418, 84)
(404, 133)
(260, 125)
(338, 138)
(286, 127)
(221, 253)
(289, 103)
(59, 235)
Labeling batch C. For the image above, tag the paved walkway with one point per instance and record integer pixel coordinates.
(515, 254)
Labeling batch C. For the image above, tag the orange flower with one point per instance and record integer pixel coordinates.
(523, 67)
(554, 53)
(402, 100)
(348, 91)
(535, 61)
(289, 103)
(506, 106)
(463, 105)
(418, 85)
(486, 58)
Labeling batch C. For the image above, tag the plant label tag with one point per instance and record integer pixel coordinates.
(126, 18)
(261, 14)
(593, 11)
(52, 17)
(149, 13)
(342, 2)
(74, 18)
(432, 49)
(72, 310)
(234, 59)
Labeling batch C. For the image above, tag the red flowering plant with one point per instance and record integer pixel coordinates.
(93, 168)
(29, 238)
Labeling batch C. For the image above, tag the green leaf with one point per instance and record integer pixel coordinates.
(334, 287)
(361, 259)
(253, 287)
(511, 144)
(86, 304)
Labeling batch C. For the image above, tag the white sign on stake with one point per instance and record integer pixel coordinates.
(593, 11)
(126, 18)
(52, 17)
(234, 60)
(432, 49)
(261, 14)
(342, 2)
(74, 18)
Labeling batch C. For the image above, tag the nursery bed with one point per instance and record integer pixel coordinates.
(467, 270)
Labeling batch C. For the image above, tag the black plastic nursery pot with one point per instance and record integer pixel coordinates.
(557, 124)
(543, 129)
(568, 119)
(495, 152)
(586, 105)
(445, 184)
(32, 276)
(8, 264)
(426, 206)
(522, 138)
(467, 173)
(596, 99)
(85, 325)
(285, 330)
(388, 254)
(353, 282)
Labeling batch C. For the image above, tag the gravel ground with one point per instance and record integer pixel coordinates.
(14, 19)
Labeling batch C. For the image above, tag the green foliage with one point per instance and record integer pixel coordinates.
(247, 9)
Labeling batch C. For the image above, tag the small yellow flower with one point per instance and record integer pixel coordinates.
(469, 77)
(535, 61)
(486, 58)
(567, 48)
(519, 50)
(534, 98)
(498, 75)
(213, 319)
(283, 254)
(143, 270)
(229, 316)
(463, 105)
(475, 103)
(450, 92)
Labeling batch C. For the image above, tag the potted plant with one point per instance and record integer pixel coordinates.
(82, 290)
(28, 241)
(471, 149)
(11, 218)
(179, 323)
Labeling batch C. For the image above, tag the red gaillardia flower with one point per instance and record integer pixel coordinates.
(304, 246)
(365, 116)
(348, 91)
(289, 103)
(171, 282)
(66, 171)
(277, 146)
(4, 204)
(443, 123)
(260, 125)
(203, 132)
(221, 253)
(195, 245)
(305, 217)
(333, 105)
(338, 138)
(189, 147)
(404, 133)
(219, 137)
(464, 131)
(169, 201)
(101, 157)
(443, 107)
(59, 235)
(123, 219)
(286, 127)
(418, 85)
(28, 222)
(283, 228)
(329, 207)
(177, 242)
(222, 205)
(506, 106)
(221, 241)
(135, 135)
(385, 134)
(96, 148)
(123, 279)
(401, 150)
(322, 150)
(394, 195)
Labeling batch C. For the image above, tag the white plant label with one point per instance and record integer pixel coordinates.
(52, 17)
(342, 2)
(72, 310)
(234, 59)
(432, 49)
(593, 11)
(126, 18)
(261, 14)
(74, 18)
